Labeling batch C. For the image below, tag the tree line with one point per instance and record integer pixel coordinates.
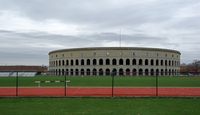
(191, 68)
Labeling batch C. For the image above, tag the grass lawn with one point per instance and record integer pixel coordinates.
(100, 106)
(105, 81)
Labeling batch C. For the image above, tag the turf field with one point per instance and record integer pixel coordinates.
(100, 106)
(100, 86)
(104, 81)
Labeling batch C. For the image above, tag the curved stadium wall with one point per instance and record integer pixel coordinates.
(129, 61)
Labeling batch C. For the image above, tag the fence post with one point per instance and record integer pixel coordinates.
(65, 85)
(112, 75)
(156, 84)
(17, 83)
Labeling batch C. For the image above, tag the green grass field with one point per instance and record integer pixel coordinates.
(105, 81)
(99, 106)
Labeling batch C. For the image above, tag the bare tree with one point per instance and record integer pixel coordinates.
(195, 65)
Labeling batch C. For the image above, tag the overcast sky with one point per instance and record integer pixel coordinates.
(29, 29)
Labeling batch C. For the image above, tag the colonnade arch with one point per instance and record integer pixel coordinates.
(120, 72)
(157, 62)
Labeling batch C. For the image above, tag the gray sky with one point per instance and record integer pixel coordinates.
(29, 29)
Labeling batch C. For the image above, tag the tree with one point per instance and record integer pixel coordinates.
(195, 65)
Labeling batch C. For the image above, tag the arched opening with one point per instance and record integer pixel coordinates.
(120, 61)
(114, 62)
(169, 72)
(146, 72)
(59, 63)
(100, 72)
(59, 72)
(67, 62)
(56, 72)
(175, 72)
(161, 62)
(56, 63)
(134, 62)
(67, 72)
(157, 63)
(100, 61)
(169, 63)
(107, 62)
(172, 72)
(152, 62)
(165, 62)
(63, 62)
(134, 72)
(121, 72)
(94, 71)
(76, 72)
(162, 72)
(114, 71)
(77, 62)
(71, 72)
(88, 72)
(82, 71)
(82, 62)
(152, 72)
(88, 61)
(166, 72)
(107, 71)
(128, 71)
(72, 62)
(140, 61)
(94, 62)
(140, 72)
(146, 62)
(127, 61)
(157, 72)
(63, 72)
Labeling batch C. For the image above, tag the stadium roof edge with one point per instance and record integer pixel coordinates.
(115, 48)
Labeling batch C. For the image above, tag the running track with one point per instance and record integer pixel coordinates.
(98, 91)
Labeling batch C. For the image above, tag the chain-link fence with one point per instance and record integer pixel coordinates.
(98, 84)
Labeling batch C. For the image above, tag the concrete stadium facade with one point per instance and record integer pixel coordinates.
(129, 61)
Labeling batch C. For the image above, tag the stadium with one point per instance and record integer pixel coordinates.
(101, 61)
(149, 66)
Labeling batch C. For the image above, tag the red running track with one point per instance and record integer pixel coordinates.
(98, 91)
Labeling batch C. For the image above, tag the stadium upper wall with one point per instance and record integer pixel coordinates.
(114, 48)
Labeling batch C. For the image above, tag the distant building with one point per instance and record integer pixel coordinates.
(129, 61)
(22, 70)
